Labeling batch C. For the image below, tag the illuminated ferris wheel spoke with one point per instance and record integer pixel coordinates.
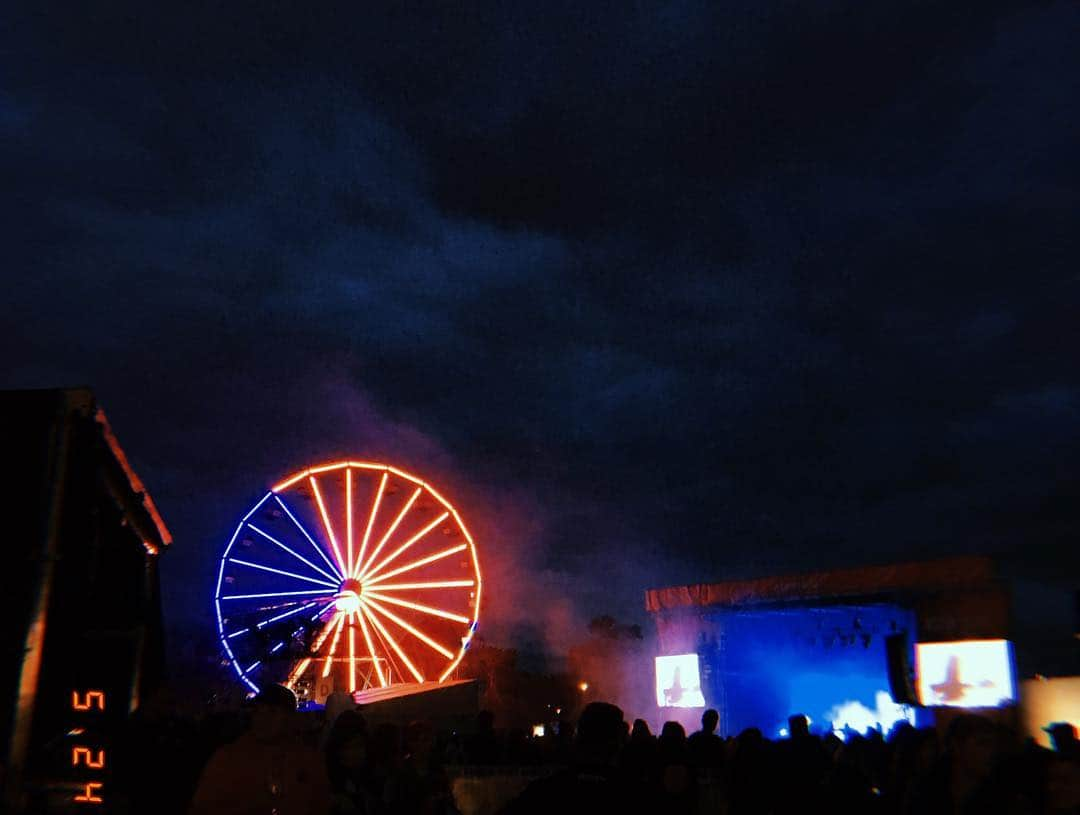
(282, 572)
(272, 594)
(333, 645)
(291, 552)
(400, 516)
(416, 564)
(380, 645)
(370, 523)
(420, 635)
(401, 549)
(393, 644)
(298, 671)
(307, 535)
(286, 614)
(326, 629)
(352, 652)
(431, 584)
(327, 525)
(348, 522)
(370, 647)
(437, 612)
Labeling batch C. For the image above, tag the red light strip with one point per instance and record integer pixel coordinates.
(416, 564)
(424, 638)
(446, 615)
(348, 520)
(298, 671)
(375, 569)
(371, 647)
(435, 584)
(393, 644)
(352, 653)
(390, 531)
(333, 645)
(370, 522)
(326, 523)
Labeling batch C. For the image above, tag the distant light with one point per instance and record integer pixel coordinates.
(538, 731)
(583, 686)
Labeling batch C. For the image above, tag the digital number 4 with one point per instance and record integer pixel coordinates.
(88, 796)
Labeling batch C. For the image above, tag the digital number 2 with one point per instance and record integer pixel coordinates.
(85, 754)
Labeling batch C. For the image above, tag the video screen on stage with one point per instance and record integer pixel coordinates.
(966, 673)
(678, 681)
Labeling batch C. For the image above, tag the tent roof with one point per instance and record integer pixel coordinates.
(863, 581)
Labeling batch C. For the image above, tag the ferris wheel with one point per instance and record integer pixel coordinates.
(348, 576)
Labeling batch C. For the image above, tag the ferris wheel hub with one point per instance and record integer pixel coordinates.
(347, 599)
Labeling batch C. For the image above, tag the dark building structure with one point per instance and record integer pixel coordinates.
(83, 639)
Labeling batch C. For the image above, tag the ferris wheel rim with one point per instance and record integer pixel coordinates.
(364, 568)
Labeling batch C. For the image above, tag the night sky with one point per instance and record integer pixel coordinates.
(657, 293)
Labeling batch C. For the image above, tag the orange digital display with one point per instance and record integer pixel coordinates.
(83, 756)
(89, 794)
(91, 699)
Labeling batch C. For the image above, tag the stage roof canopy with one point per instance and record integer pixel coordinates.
(866, 581)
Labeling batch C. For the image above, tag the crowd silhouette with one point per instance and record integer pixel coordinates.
(269, 759)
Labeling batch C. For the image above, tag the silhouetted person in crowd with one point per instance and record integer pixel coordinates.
(337, 702)
(675, 774)
(706, 748)
(419, 787)
(482, 747)
(847, 787)
(267, 769)
(964, 782)
(753, 777)
(802, 762)
(347, 765)
(1063, 739)
(1061, 786)
(384, 761)
(593, 785)
(639, 754)
(671, 744)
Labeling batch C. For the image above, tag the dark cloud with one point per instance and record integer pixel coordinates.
(665, 293)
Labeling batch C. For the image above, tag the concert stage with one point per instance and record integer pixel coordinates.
(837, 646)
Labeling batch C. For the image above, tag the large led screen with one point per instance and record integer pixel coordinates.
(678, 681)
(966, 673)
